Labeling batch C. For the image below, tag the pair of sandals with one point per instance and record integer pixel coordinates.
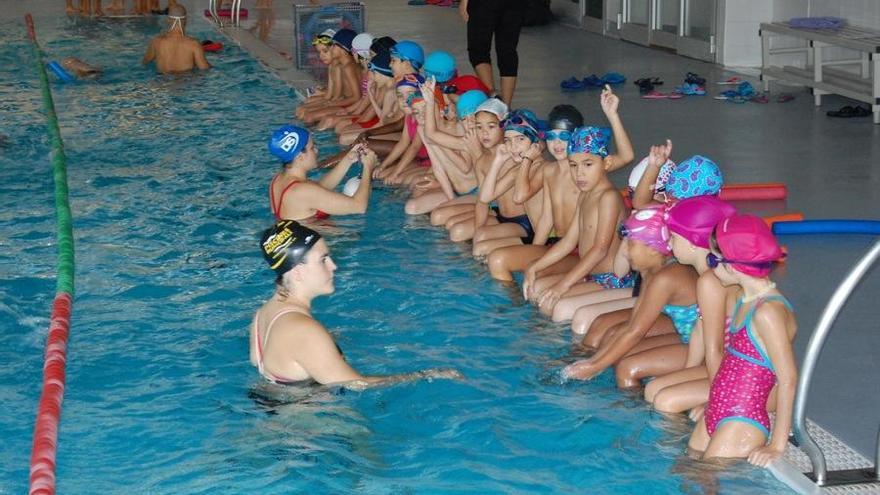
(592, 81)
(646, 84)
(849, 112)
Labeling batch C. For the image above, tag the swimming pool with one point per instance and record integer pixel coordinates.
(168, 182)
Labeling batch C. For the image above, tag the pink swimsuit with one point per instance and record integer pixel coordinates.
(744, 379)
(411, 127)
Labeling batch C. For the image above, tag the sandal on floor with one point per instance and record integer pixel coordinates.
(849, 112)
(593, 81)
(784, 98)
(690, 90)
(614, 78)
(733, 81)
(692, 78)
(760, 99)
(572, 84)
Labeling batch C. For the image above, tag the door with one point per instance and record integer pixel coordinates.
(666, 21)
(635, 17)
(593, 15)
(697, 34)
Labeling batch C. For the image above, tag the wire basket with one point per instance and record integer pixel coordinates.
(309, 20)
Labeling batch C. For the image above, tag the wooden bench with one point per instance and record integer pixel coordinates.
(819, 73)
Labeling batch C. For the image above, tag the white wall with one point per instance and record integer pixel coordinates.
(741, 46)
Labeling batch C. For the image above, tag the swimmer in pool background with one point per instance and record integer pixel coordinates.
(174, 51)
(287, 344)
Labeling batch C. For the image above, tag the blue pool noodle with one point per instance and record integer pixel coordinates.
(59, 71)
(871, 227)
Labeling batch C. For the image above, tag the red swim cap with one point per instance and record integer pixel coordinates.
(462, 84)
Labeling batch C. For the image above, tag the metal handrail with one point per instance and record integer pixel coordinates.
(235, 15)
(814, 348)
(212, 8)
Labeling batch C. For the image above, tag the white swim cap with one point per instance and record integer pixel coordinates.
(351, 186)
(494, 106)
(361, 43)
(639, 170)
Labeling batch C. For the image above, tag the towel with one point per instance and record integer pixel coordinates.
(817, 22)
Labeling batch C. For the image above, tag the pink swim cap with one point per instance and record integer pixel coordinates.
(648, 227)
(748, 239)
(695, 218)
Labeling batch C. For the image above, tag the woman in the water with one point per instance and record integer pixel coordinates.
(287, 344)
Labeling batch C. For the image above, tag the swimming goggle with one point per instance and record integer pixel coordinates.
(450, 89)
(713, 261)
(518, 120)
(622, 231)
(413, 97)
(322, 40)
(560, 135)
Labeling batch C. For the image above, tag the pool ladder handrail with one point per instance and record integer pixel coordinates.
(234, 14)
(820, 475)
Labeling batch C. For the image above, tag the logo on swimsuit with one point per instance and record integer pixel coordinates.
(289, 141)
(281, 239)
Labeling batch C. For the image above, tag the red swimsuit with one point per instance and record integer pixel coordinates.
(276, 207)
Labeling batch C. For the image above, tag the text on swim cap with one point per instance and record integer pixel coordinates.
(289, 141)
(283, 238)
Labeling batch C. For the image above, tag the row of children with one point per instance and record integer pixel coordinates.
(664, 282)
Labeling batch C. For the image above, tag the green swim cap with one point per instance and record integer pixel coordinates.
(286, 244)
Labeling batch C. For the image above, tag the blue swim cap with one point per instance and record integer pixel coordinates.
(344, 38)
(468, 102)
(441, 65)
(590, 139)
(409, 51)
(696, 176)
(287, 142)
(524, 122)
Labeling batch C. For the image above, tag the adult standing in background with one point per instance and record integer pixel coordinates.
(503, 20)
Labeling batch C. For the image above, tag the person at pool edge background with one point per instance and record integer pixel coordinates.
(174, 51)
(300, 348)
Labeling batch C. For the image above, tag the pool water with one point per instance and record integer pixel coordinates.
(168, 181)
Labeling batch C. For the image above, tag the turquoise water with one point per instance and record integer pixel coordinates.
(168, 182)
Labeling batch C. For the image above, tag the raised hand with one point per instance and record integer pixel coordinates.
(609, 101)
(660, 154)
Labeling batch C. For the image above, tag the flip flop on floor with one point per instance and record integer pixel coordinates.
(849, 112)
(656, 95)
(614, 78)
(593, 81)
(732, 81)
(760, 99)
(692, 78)
(690, 90)
(654, 81)
(784, 98)
(572, 84)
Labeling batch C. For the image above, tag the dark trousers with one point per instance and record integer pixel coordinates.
(501, 19)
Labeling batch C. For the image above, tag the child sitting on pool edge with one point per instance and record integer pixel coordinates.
(593, 230)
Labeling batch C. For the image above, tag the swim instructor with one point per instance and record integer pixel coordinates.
(287, 344)
(503, 20)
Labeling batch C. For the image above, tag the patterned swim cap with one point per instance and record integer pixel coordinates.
(524, 122)
(589, 139)
(648, 227)
(696, 176)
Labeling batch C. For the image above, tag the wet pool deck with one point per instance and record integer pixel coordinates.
(831, 166)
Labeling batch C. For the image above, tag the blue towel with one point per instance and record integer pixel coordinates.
(817, 22)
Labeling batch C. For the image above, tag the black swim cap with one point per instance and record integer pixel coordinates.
(286, 244)
(565, 117)
(383, 44)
